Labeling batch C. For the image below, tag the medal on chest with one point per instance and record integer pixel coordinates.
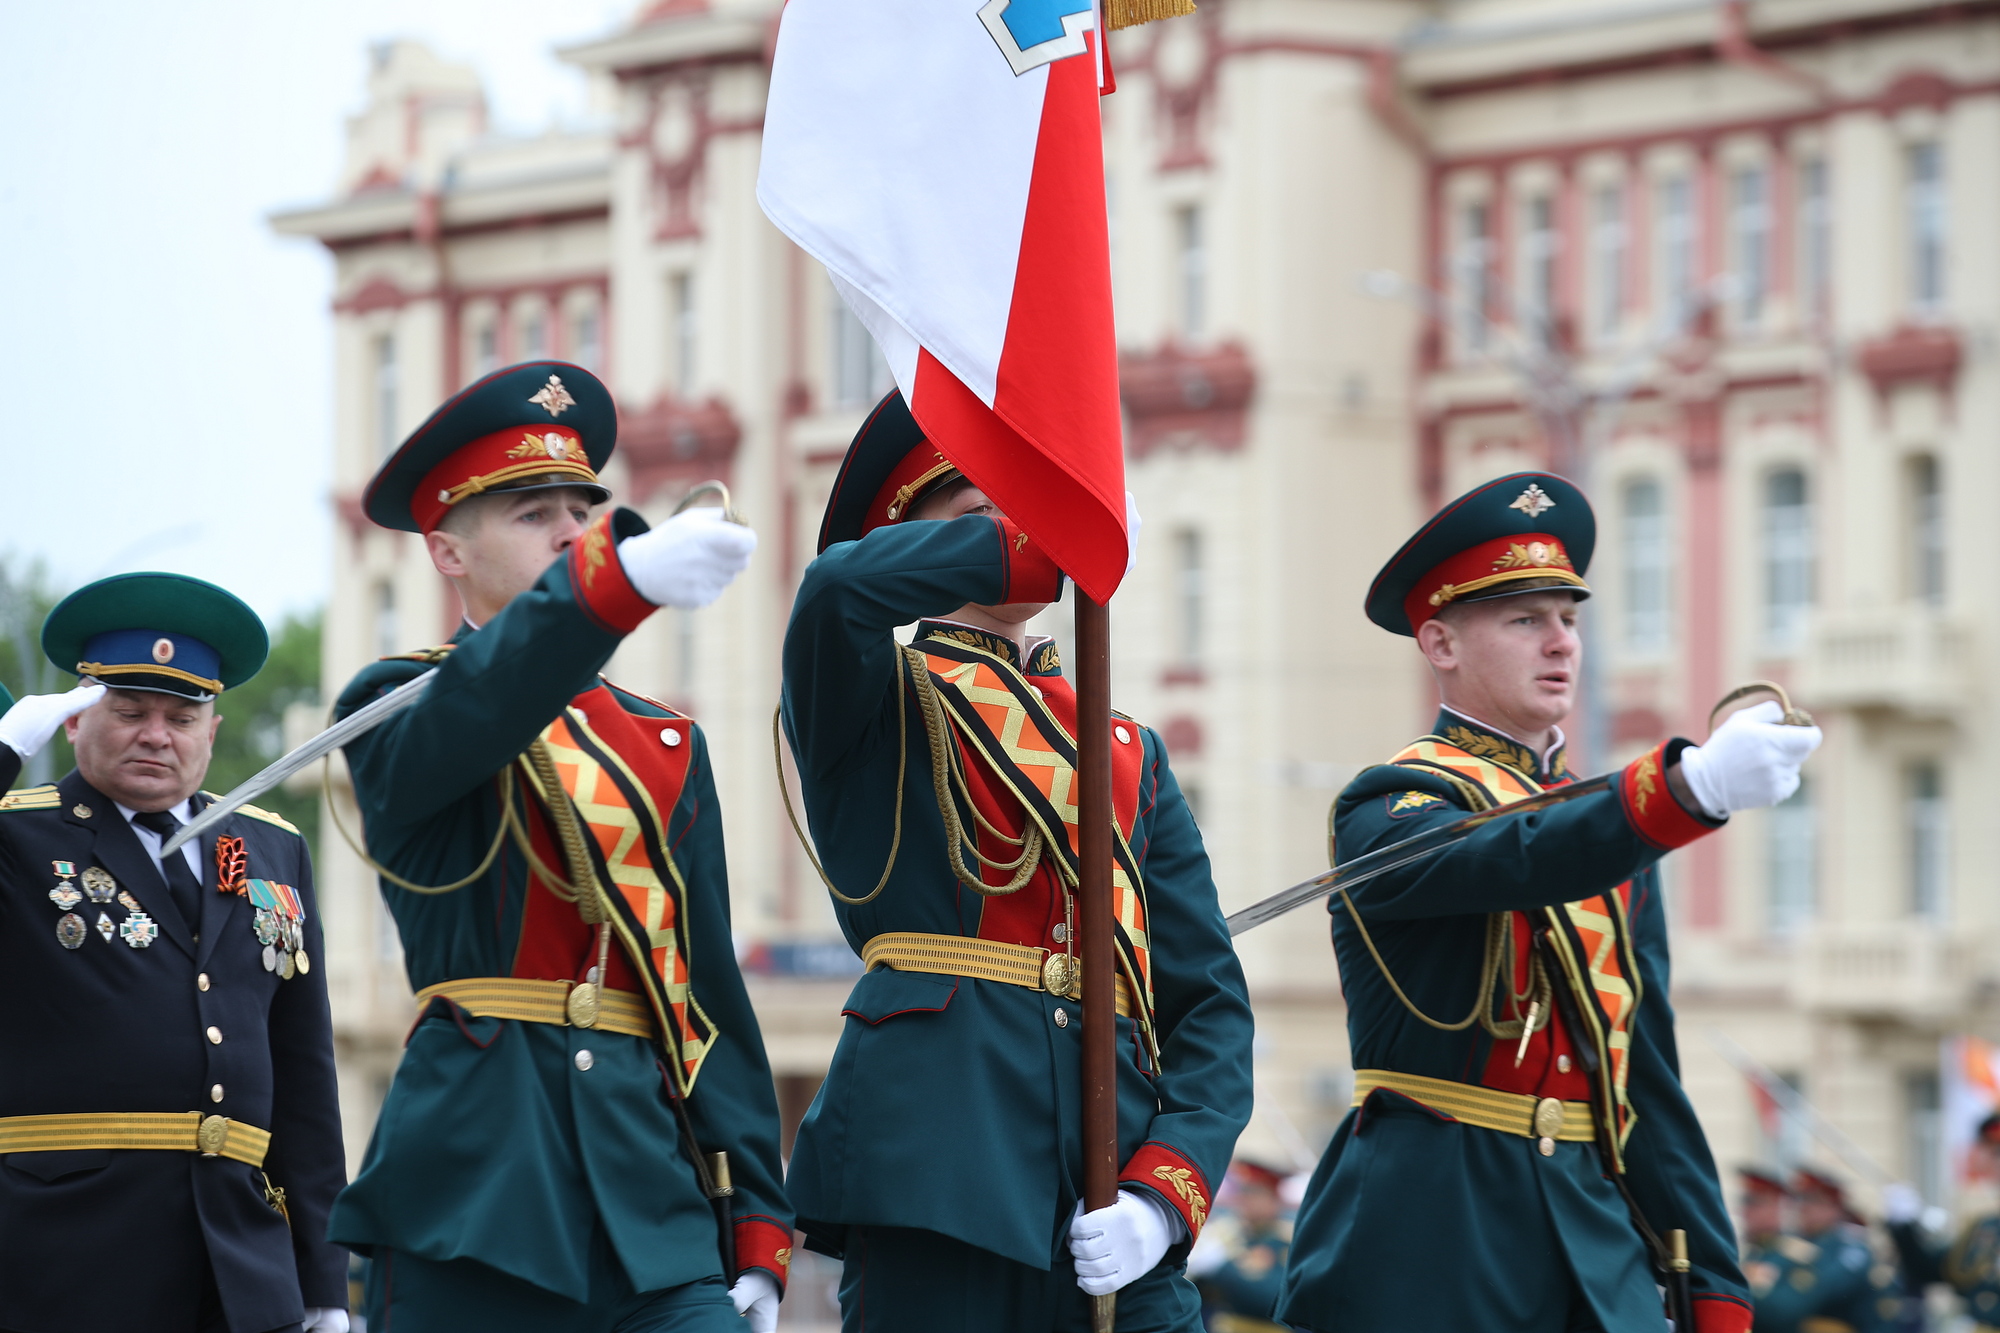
(137, 929)
(277, 917)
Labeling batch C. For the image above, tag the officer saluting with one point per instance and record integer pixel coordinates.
(942, 1157)
(550, 846)
(168, 1121)
(1518, 1116)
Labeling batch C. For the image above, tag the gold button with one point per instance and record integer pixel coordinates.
(201, 982)
(215, 1093)
(215, 1036)
(1562, 1064)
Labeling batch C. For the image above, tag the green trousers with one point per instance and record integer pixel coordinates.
(900, 1280)
(407, 1294)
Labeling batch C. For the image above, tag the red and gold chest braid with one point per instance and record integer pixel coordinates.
(1591, 939)
(622, 782)
(1013, 741)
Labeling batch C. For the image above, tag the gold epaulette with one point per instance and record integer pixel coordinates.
(32, 798)
(258, 812)
(428, 656)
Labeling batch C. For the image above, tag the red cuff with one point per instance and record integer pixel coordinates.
(763, 1242)
(1721, 1314)
(1031, 575)
(1652, 808)
(598, 579)
(1175, 1179)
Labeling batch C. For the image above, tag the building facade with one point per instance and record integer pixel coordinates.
(1729, 264)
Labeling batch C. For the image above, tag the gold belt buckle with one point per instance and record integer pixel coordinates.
(582, 1006)
(1062, 975)
(212, 1136)
(1548, 1124)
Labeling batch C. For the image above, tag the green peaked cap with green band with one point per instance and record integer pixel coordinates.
(167, 633)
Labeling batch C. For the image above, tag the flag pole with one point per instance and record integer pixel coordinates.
(1095, 921)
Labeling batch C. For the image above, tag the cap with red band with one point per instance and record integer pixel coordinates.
(1525, 532)
(888, 468)
(527, 427)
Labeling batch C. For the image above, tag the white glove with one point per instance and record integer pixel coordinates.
(756, 1296)
(34, 718)
(1752, 760)
(1132, 525)
(321, 1319)
(1119, 1245)
(688, 560)
(1901, 1203)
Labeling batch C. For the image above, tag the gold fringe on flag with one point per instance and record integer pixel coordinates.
(1131, 13)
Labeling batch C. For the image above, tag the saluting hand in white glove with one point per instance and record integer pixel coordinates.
(756, 1298)
(688, 560)
(1752, 760)
(1116, 1246)
(325, 1319)
(33, 719)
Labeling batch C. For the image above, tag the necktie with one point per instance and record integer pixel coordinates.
(181, 882)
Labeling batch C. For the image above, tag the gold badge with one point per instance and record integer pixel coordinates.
(1062, 975)
(554, 397)
(80, 811)
(212, 1136)
(99, 885)
(163, 650)
(582, 1006)
(1533, 501)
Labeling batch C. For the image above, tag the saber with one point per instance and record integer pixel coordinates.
(354, 724)
(1396, 855)
(1399, 854)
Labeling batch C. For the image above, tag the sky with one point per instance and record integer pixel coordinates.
(169, 357)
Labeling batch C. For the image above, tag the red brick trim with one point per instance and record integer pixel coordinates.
(1031, 575)
(1651, 807)
(1177, 1181)
(765, 1243)
(598, 579)
(1721, 1314)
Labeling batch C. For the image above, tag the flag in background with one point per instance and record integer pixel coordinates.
(1969, 1087)
(944, 160)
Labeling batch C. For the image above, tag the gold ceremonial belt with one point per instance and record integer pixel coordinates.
(533, 1001)
(985, 960)
(1509, 1112)
(165, 1131)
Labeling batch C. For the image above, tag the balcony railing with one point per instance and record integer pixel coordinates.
(1907, 969)
(1910, 658)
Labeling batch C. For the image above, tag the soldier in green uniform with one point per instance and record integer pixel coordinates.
(1778, 1266)
(1854, 1290)
(1971, 1264)
(1239, 1263)
(550, 847)
(1518, 1121)
(942, 1157)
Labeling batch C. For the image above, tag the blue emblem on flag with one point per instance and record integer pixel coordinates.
(1033, 33)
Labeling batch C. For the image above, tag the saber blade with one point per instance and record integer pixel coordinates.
(1396, 855)
(358, 723)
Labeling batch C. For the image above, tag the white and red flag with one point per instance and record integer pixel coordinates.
(944, 160)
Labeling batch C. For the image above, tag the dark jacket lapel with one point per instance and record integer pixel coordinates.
(117, 848)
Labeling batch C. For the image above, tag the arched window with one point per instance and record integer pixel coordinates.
(1647, 562)
(1788, 559)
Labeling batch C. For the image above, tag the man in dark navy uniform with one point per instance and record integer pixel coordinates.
(169, 1132)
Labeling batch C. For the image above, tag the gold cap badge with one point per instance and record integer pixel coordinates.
(554, 397)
